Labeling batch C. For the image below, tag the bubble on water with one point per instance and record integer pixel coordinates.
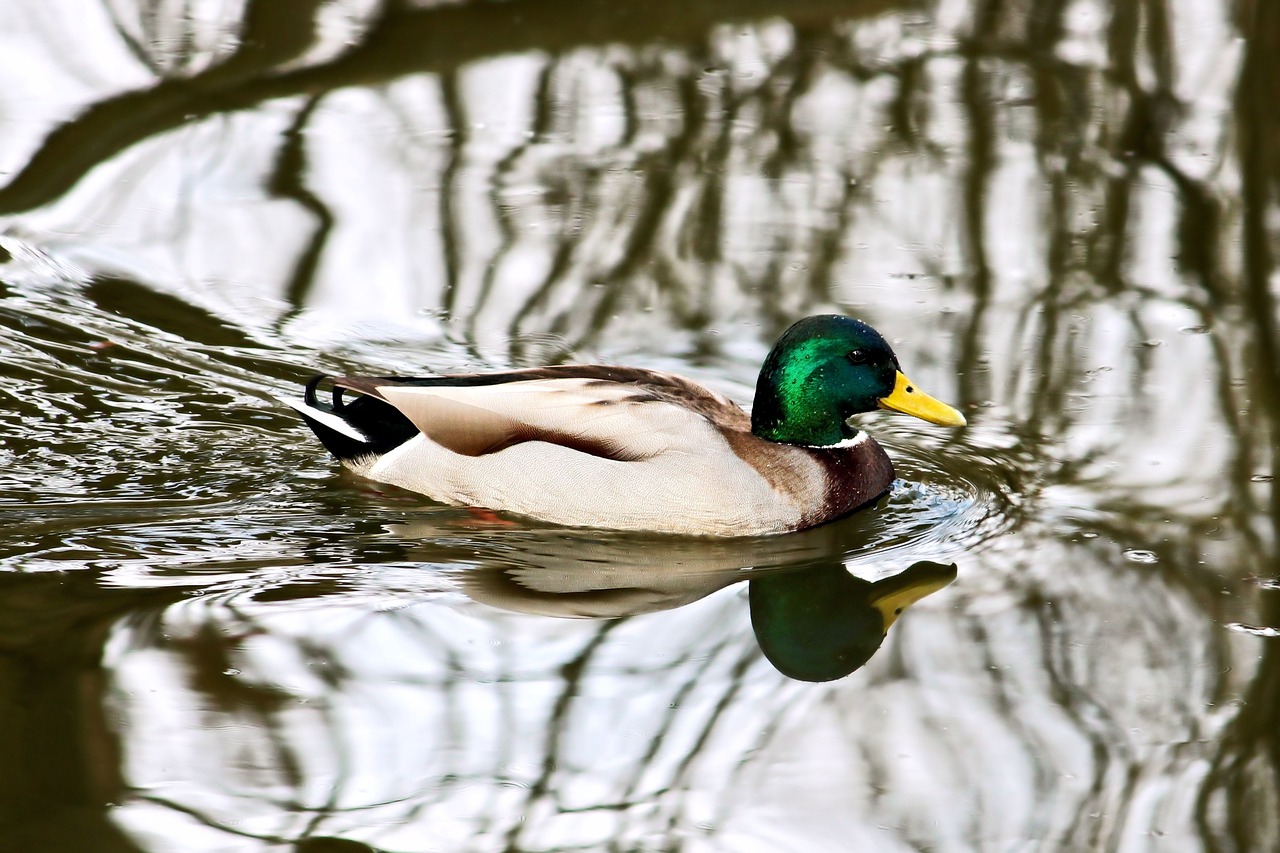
(1253, 630)
(1137, 555)
(1194, 330)
(1261, 478)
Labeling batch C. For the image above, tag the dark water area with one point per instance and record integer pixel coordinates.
(1065, 216)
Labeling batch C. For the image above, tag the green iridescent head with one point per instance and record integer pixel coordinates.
(825, 369)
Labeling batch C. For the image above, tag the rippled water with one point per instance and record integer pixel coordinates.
(1063, 216)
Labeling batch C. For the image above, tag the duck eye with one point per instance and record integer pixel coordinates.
(857, 356)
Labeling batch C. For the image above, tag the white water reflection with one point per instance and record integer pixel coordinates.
(1046, 207)
(420, 720)
(497, 194)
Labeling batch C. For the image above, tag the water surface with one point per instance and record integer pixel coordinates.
(1063, 216)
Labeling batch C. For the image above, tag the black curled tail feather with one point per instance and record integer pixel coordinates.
(382, 426)
(309, 396)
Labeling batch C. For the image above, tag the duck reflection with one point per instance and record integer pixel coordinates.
(822, 623)
(814, 620)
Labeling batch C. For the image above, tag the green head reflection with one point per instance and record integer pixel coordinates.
(822, 623)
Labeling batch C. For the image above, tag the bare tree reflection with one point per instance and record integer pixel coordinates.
(1084, 227)
(1238, 802)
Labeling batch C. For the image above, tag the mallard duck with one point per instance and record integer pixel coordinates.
(633, 449)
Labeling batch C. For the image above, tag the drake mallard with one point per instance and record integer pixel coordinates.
(633, 449)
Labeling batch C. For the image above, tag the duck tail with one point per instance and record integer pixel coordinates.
(356, 430)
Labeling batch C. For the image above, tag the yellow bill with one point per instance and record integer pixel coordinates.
(895, 594)
(910, 400)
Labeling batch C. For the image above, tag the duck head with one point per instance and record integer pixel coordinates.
(826, 369)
